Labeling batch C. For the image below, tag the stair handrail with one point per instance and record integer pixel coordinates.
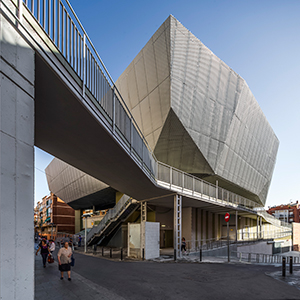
(110, 216)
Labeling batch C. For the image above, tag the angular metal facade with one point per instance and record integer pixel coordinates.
(198, 114)
(77, 188)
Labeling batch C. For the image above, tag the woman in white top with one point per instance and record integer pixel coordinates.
(64, 260)
(51, 246)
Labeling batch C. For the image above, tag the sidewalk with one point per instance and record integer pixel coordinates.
(49, 286)
(98, 278)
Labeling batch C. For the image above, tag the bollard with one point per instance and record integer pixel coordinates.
(95, 248)
(200, 254)
(143, 253)
(110, 252)
(102, 251)
(121, 253)
(291, 265)
(175, 254)
(283, 266)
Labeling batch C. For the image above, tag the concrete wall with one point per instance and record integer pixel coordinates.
(187, 223)
(16, 163)
(77, 220)
(260, 247)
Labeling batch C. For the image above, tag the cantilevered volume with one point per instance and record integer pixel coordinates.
(198, 114)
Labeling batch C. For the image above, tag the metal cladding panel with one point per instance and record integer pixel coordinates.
(214, 127)
(221, 115)
(146, 85)
(69, 183)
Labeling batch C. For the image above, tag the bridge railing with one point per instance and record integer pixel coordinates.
(59, 21)
(175, 179)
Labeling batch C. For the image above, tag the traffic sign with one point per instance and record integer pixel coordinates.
(227, 217)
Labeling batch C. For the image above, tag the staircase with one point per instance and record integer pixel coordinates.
(110, 223)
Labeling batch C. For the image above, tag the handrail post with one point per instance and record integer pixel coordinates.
(114, 111)
(20, 11)
(193, 182)
(84, 65)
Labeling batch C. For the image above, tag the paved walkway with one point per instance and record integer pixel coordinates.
(49, 286)
(97, 278)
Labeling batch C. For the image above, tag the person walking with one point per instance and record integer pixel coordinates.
(183, 245)
(79, 241)
(51, 246)
(64, 260)
(44, 251)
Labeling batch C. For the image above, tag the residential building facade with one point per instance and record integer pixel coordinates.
(52, 215)
(286, 212)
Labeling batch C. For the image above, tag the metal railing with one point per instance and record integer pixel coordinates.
(188, 184)
(61, 25)
(112, 215)
(271, 219)
(261, 258)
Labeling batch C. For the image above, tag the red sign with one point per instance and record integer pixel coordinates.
(227, 217)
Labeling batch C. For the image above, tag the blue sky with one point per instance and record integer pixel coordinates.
(260, 40)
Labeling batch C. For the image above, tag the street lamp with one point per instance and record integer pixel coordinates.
(87, 215)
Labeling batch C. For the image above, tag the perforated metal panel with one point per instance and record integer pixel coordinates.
(203, 118)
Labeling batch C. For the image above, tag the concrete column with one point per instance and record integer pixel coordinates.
(257, 236)
(17, 165)
(216, 226)
(194, 227)
(187, 225)
(210, 225)
(204, 236)
(199, 227)
(236, 225)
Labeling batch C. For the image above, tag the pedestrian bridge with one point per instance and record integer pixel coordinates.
(57, 94)
(81, 118)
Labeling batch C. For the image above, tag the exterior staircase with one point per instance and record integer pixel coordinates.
(110, 223)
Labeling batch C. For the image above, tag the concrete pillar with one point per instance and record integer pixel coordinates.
(17, 165)
(257, 235)
(187, 225)
(204, 236)
(194, 228)
(199, 229)
(210, 225)
(236, 225)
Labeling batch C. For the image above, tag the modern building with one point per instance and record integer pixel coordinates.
(52, 216)
(198, 115)
(286, 212)
(212, 142)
